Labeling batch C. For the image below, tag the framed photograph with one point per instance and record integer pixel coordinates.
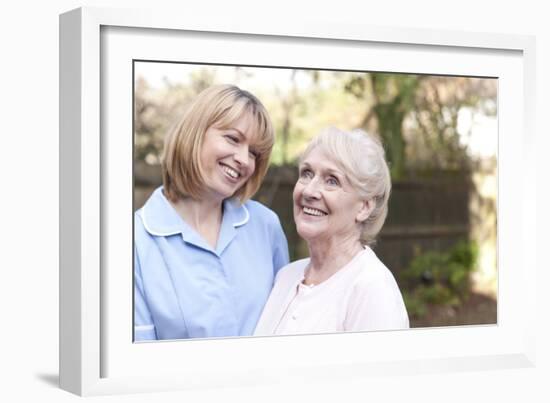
(102, 55)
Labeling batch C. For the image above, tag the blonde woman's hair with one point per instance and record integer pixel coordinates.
(219, 106)
(361, 157)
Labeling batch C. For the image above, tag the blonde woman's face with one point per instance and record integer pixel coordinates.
(228, 158)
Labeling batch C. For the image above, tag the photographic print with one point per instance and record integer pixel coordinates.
(246, 186)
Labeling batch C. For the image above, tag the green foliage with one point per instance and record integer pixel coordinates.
(415, 115)
(439, 278)
(390, 98)
(157, 109)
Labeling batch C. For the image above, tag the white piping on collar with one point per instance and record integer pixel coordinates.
(148, 229)
(246, 218)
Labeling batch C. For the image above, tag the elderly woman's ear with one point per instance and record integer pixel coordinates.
(365, 210)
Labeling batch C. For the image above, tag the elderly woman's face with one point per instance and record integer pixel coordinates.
(325, 203)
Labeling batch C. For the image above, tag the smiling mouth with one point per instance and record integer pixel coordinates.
(233, 174)
(313, 212)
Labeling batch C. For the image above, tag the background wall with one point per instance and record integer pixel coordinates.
(29, 202)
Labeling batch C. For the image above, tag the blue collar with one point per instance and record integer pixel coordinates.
(160, 219)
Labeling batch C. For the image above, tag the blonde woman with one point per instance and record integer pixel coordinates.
(340, 204)
(206, 255)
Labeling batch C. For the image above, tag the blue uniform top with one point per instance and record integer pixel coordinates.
(184, 288)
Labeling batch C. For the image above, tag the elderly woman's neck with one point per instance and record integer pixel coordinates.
(329, 256)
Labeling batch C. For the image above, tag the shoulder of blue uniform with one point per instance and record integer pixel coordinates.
(257, 209)
(138, 223)
(158, 217)
(143, 240)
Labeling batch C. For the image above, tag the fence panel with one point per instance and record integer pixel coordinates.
(424, 214)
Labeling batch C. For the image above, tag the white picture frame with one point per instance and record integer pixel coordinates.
(96, 352)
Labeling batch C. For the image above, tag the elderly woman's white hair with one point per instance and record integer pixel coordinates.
(361, 156)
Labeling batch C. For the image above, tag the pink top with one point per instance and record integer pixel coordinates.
(362, 295)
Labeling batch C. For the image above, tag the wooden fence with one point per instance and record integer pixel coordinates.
(424, 214)
(427, 214)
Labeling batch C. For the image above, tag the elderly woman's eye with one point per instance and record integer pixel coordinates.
(305, 173)
(332, 181)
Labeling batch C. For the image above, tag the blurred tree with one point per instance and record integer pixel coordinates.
(309, 102)
(392, 98)
(433, 136)
(155, 110)
(417, 116)
(289, 102)
(145, 125)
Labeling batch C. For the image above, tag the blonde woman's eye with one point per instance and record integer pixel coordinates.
(305, 173)
(332, 181)
(253, 153)
(231, 138)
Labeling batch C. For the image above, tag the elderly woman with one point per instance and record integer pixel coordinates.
(340, 204)
(205, 255)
